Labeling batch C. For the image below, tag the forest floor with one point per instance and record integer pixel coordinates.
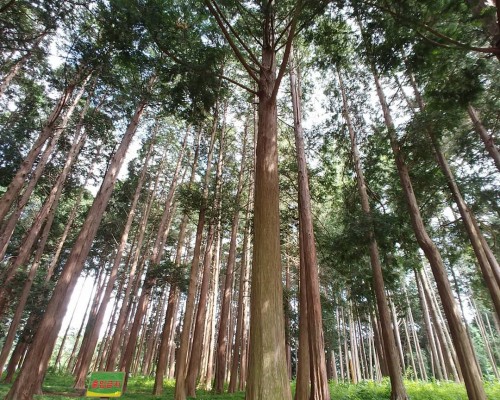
(58, 387)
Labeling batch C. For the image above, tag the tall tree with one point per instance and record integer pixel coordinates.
(30, 377)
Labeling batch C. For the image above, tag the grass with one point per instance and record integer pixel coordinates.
(58, 387)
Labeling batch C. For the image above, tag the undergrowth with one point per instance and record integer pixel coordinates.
(59, 387)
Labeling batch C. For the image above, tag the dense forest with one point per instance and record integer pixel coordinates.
(241, 194)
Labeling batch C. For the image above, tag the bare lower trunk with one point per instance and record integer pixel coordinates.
(182, 354)
(81, 374)
(268, 377)
(240, 316)
(465, 352)
(303, 386)
(398, 390)
(319, 380)
(174, 292)
(486, 260)
(222, 339)
(30, 378)
(199, 329)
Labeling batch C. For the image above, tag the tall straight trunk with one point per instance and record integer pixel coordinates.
(353, 353)
(48, 131)
(268, 376)
(347, 355)
(164, 227)
(222, 338)
(206, 379)
(487, 139)
(57, 362)
(340, 352)
(130, 334)
(443, 331)
(81, 374)
(30, 378)
(135, 270)
(437, 367)
(418, 350)
(48, 211)
(105, 344)
(488, 265)
(127, 358)
(173, 298)
(240, 313)
(9, 226)
(465, 352)
(486, 341)
(199, 328)
(410, 348)
(148, 284)
(398, 390)
(245, 327)
(379, 345)
(101, 282)
(153, 334)
(71, 363)
(182, 354)
(288, 287)
(319, 380)
(397, 335)
(15, 360)
(303, 386)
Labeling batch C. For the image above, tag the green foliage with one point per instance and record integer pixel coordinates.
(141, 387)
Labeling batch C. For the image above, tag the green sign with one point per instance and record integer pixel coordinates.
(105, 384)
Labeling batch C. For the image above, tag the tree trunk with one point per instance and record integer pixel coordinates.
(206, 379)
(209, 258)
(30, 378)
(14, 70)
(222, 338)
(71, 363)
(303, 386)
(465, 352)
(487, 139)
(174, 292)
(319, 380)
(182, 354)
(239, 342)
(17, 183)
(81, 374)
(488, 265)
(398, 390)
(149, 282)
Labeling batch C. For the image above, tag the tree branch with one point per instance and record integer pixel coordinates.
(197, 69)
(249, 51)
(236, 51)
(288, 47)
(435, 32)
(237, 83)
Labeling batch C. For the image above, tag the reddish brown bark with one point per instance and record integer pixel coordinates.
(319, 380)
(173, 297)
(222, 340)
(182, 354)
(32, 373)
(465, 352)
(17, 183)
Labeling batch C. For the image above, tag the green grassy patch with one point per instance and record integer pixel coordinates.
(59, 387)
